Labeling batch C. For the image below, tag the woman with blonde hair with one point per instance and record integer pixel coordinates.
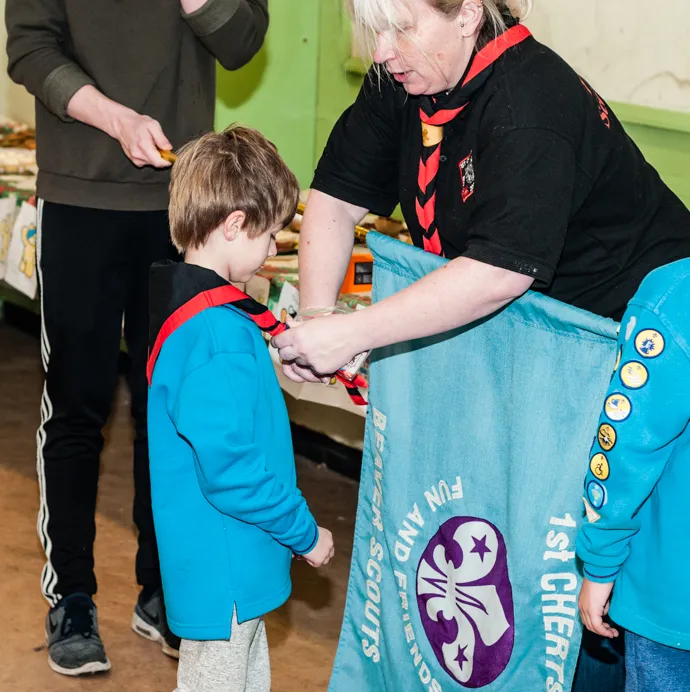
(504, 161)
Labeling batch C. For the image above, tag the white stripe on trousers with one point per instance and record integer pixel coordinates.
(49, 575)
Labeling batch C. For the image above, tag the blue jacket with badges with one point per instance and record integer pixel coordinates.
(637, 489)
(227, 512)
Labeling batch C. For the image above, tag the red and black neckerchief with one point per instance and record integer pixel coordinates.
(258, 313)
(436, 111)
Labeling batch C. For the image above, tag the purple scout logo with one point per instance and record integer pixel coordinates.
(466, 601)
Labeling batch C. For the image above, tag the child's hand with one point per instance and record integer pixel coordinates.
(324, 550)
(594, 605)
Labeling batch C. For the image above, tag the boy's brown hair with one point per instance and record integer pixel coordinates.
(234, 170)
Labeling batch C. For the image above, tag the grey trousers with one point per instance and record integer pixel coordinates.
(238, 665)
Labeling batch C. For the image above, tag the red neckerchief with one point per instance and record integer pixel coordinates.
(258, 313)
(436, 112)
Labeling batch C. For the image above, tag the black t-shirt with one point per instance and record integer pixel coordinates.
(537, 176)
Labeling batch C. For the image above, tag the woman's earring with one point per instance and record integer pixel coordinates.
(462, 24)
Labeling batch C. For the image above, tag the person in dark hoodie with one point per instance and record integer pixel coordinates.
(115, 81)
(228, 514)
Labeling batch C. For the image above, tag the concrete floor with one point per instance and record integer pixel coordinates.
(302, 635)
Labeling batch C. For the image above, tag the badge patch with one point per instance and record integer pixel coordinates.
(650, 343)
(618, 360)
(617, 407)
(599, 466)
(467, 177)
(634, 375)
(596, 494)
(607, 437)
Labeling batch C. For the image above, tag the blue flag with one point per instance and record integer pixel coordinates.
(463, 570)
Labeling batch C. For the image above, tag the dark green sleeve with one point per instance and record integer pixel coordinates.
(233, 30)
(36, 35)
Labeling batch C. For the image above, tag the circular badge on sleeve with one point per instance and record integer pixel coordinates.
(634, 375)
(607, 437)
(596, 494)
(617, 407)
(599, 466)
(650, 343)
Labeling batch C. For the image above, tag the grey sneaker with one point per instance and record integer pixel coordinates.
(149, 621)
(74, 644)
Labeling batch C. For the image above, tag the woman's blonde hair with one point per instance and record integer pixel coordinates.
(372, 16)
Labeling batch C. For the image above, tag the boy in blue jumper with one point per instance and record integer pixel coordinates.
(636, 542)
(227, 511)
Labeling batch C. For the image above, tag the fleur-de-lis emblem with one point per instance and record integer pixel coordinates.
(465, 600)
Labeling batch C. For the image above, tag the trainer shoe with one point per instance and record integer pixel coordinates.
(74, 644)
(150, 622)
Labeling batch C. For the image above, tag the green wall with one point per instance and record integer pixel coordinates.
(302, 80)
(296, 87)
(276, 92)
(337, 87)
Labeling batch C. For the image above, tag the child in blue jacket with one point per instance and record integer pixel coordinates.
(227, 512)
(636, 542)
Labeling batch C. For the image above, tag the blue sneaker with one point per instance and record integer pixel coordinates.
(149, 621)
(74, 644)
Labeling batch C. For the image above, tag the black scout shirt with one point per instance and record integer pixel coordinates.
(537, 176)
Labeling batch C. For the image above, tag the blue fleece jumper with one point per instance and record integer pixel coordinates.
(637, 489)
(227, 512)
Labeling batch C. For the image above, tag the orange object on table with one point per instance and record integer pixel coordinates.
(359, 273)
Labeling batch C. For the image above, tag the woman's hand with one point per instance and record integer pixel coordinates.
(300, 375)
(594, 605)
(321, 346)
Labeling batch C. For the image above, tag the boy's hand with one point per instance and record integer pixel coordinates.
(324, 550)
(594, 605)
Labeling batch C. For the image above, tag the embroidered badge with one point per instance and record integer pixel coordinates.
(467, 176)
(634, 375)
(596, 494)
(649, 343)
(599, 466)
(607, 437)
(617, 407)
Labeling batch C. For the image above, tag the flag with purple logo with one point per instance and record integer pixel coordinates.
(463, 571)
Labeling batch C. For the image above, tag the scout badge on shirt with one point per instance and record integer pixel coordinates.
(467, 176)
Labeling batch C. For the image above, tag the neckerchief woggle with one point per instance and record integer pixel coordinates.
(258, 313)
(437, 111)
